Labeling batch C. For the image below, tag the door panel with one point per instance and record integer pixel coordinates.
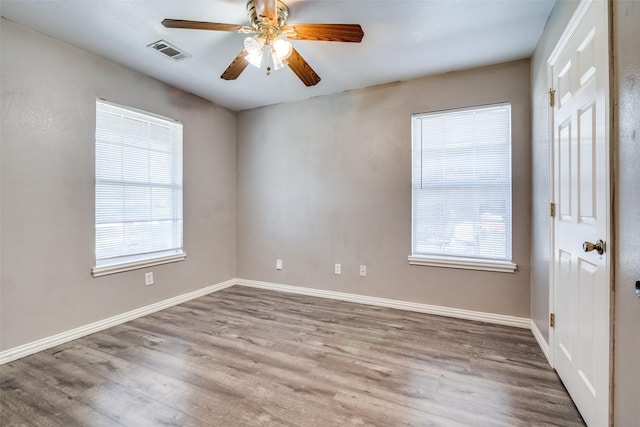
(564, 171)
(563, 304)
(586, 162)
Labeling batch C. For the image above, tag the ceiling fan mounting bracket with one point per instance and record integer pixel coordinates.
(267, 24)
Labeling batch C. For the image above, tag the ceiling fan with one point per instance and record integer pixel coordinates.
(269, 48)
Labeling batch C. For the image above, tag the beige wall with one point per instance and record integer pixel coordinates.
(540, 179)
(328, 181)
(626, 96)
(47, 188)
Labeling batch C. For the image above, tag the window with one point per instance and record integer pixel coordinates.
(461, 188)
(138, 189)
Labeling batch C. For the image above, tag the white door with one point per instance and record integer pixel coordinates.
(581, 290)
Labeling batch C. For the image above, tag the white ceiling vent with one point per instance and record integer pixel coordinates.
(169, 50)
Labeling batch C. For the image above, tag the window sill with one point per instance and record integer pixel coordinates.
(463, 263)
(119, 268)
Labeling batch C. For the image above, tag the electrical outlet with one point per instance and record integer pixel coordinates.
(148, 278)
(363, 270)
(278, 264)
(338, 269)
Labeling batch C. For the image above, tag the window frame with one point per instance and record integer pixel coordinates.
(140, 260)
(453, 260)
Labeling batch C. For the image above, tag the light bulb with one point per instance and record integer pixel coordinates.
(282, 48)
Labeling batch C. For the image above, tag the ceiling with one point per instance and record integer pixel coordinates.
(403, 40)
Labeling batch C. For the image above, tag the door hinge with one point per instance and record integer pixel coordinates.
(552, 210)
(552, 97)
(552, 320)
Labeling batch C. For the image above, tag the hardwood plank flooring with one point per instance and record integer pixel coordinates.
(250, 357)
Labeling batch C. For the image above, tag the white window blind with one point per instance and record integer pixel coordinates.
(461, 183)
(138, 186)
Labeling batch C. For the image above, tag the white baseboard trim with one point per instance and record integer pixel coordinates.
(500, 319)
(63, 337)
(544, 346)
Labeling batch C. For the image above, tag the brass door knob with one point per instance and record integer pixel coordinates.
(598, 246)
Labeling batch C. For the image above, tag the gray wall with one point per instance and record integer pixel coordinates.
(626, 95)
(328, 180)
(540, 180)
(47, 188)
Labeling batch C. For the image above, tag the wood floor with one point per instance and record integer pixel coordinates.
(248, 357)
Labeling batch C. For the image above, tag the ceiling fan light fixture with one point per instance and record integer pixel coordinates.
(281, 48)
(255, 59)
(254, 46)
(276, 61)
(280, 51)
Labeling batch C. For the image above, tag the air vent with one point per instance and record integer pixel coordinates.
(169, 50)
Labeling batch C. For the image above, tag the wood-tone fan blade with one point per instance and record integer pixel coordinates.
(302, 69)
(236, 67)
(325, 32)
(266, 8)
(200, 25)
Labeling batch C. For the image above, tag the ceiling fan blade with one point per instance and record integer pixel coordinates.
(302, 69)
(201, 25)
(325, 32)
(236, 67)
(266, 8)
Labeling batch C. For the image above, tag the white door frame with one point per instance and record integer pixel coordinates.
(580, 11)
(552, 224)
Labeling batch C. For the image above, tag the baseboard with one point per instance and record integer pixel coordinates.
(544, 346)
(499, 319)
(61, 338)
